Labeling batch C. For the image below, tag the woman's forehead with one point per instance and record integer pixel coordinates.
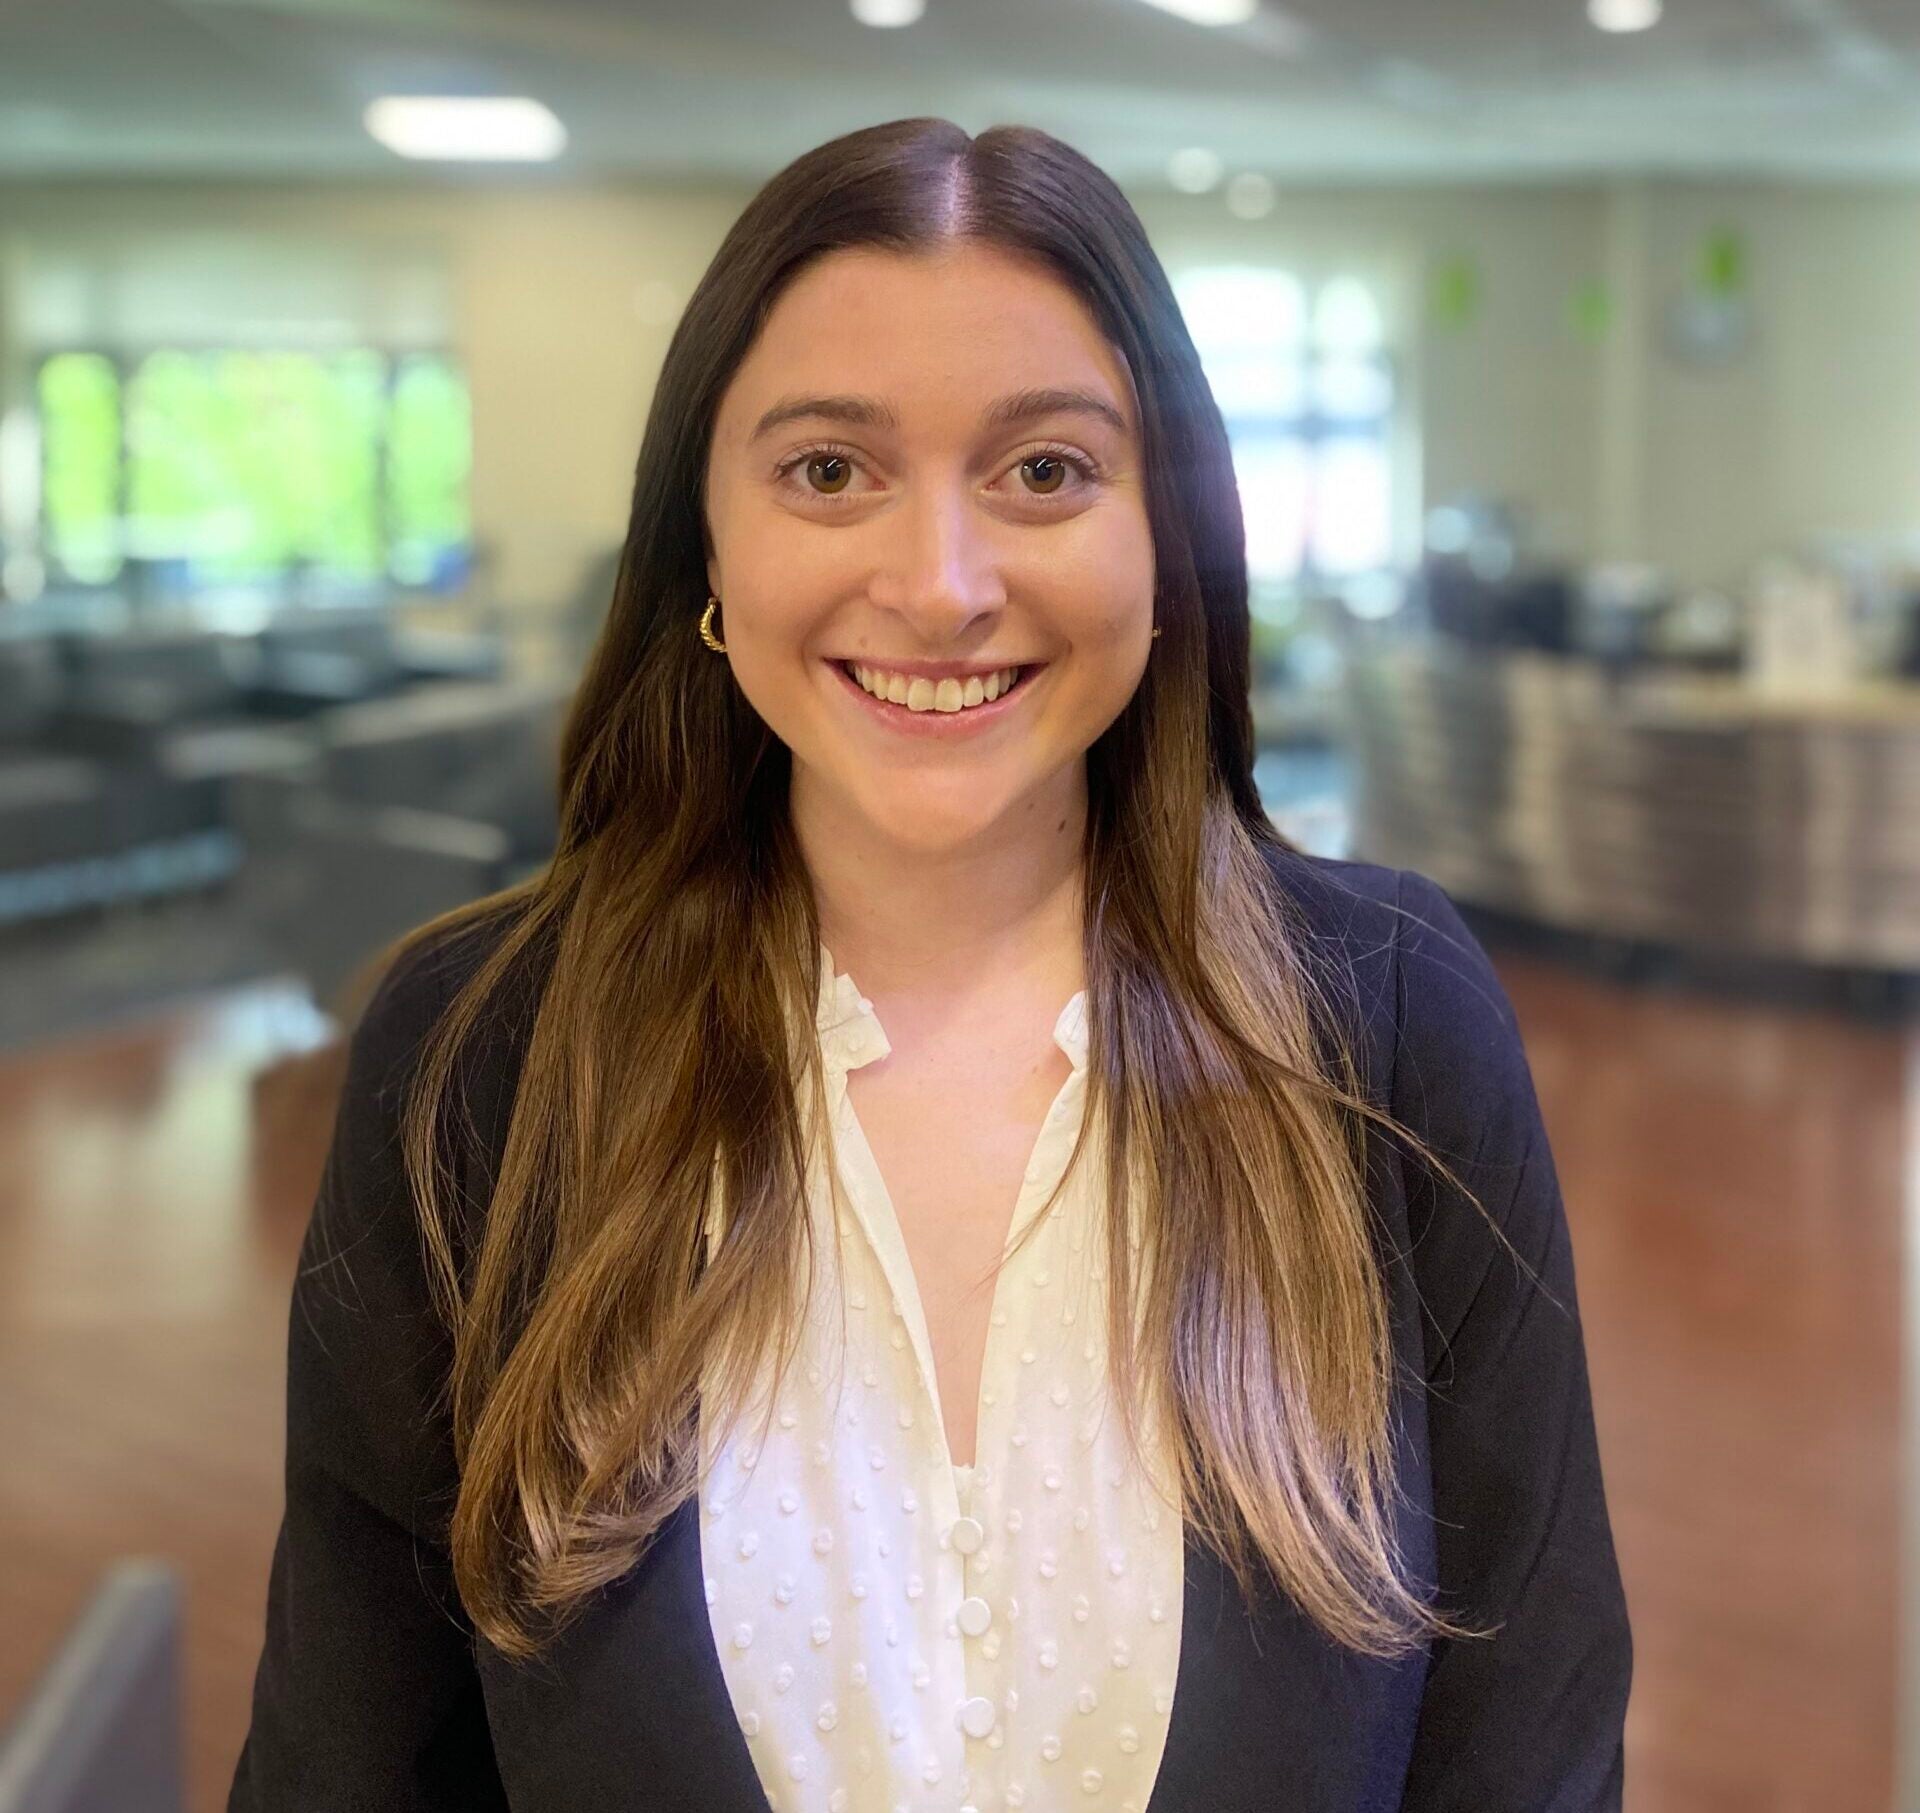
(909, 338)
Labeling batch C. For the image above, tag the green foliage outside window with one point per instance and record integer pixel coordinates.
(241, 464)
(429, 462)
(80, 442)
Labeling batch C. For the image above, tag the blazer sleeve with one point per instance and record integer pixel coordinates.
(366, 1698)
(1531, 1719)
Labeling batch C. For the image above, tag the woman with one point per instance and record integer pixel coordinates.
(931, 1259)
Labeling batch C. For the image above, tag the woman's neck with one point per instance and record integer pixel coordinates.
(914, 925)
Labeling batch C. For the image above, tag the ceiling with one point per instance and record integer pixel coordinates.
(693, 90)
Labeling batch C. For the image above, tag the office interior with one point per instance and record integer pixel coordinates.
(1571, 358)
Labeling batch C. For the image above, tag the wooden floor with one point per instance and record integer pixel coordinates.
(1734, 1178)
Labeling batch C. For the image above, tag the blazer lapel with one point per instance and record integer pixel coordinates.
(627, 1711)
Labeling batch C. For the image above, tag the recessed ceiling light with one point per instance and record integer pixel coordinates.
(1624, 15)
(1194, 170)
(1209, 12)
(887, 13)
(477, 128)
(1250, 195)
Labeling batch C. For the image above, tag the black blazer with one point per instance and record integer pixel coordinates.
(374, 1696)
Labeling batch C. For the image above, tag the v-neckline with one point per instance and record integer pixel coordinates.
(885, 1234)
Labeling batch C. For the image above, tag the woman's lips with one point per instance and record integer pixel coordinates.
(967, 721)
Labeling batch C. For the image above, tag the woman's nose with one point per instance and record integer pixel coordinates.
(943, 568)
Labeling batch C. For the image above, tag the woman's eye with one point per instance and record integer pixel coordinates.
(827, 473)
(841, 476)
(1055, 474)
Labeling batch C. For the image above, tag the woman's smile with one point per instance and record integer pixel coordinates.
(935, 708)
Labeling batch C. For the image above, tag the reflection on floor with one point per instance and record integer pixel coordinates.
(1732, 1174)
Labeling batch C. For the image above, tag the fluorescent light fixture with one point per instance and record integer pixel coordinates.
(1624, 15)
(1195, 170)
(885, 14)
(476, 128)
(1209, 12)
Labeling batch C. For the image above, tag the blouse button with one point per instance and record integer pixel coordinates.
(977, 1716)
(975, 1615)
(967, 1534)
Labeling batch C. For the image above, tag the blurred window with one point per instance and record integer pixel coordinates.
(243, 463)
(1305, 383)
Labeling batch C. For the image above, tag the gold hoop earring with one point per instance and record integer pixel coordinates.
(706, 633)
(1155, 633)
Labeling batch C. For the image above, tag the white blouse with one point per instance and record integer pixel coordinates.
(897, 1632)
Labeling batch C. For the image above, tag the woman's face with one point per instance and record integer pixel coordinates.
(929, 467)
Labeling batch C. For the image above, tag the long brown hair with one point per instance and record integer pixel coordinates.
(676, 938)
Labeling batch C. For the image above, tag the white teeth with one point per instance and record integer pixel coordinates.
(919, 694)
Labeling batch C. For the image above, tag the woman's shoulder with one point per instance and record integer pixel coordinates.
(1338, 901)
(1423, 991)
(421, 980)
(1445, 1057)
(390, 1035)
(1341, 918)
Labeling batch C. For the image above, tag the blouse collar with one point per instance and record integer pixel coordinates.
(851, 1033)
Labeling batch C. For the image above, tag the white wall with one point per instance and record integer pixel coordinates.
(1817, 431)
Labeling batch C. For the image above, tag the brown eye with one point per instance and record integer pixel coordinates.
(1049, 467)
(843, 470)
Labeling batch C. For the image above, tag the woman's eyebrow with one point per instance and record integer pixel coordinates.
(1006, 412)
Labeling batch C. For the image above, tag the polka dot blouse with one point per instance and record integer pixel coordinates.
(897, 1632)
